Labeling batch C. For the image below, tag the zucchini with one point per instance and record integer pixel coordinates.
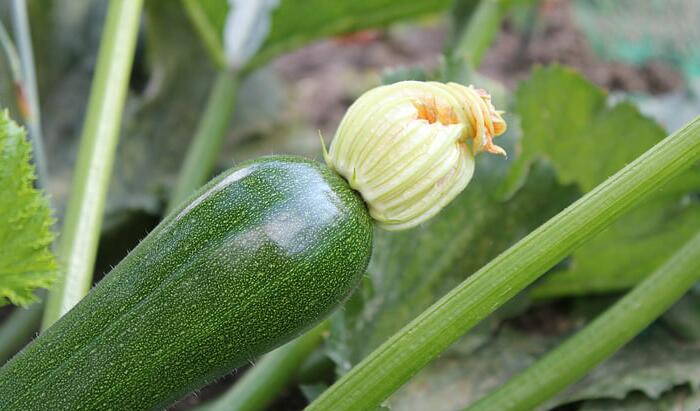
(257, 256)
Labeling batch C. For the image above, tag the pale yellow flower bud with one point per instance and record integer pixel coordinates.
(408, 148)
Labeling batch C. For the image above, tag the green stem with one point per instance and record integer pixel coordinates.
(81, 227)
(484, 24)
(205, 147)
(18, 329)
(606, 334)
(392, 364)
(211, 34)
(33, 116)
(261, 384)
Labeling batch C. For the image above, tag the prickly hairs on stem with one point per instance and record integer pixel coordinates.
(408, 148)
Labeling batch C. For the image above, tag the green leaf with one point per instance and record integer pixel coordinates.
(410, 270)
(26, 263)
(298, 22)
(566, 121)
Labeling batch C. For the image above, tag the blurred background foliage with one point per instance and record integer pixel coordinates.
(585, 93)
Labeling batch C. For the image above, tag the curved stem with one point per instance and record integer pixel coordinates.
(484, 24)
(606, 334)
(205, 147)
(81, 227)
(387, 368)
(261, 384)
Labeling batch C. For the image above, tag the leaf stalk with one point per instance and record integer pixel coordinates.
(77, 248)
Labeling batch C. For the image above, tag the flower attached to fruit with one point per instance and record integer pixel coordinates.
(408, 148)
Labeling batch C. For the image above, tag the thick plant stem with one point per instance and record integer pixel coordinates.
(606, 334)
(484, 24)
(392, 364)
(261, 384)
(205, 147)
(81, 228)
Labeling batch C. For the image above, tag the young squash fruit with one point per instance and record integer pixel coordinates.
(257, 256)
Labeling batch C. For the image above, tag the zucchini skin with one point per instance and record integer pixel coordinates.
(257, 256)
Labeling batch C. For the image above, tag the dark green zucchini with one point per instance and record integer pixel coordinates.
(260, 254)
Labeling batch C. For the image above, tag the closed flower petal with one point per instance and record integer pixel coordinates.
(408, 148)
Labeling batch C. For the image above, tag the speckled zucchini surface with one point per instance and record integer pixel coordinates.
(257, 256)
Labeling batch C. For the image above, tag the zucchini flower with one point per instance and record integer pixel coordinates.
(408, 148)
